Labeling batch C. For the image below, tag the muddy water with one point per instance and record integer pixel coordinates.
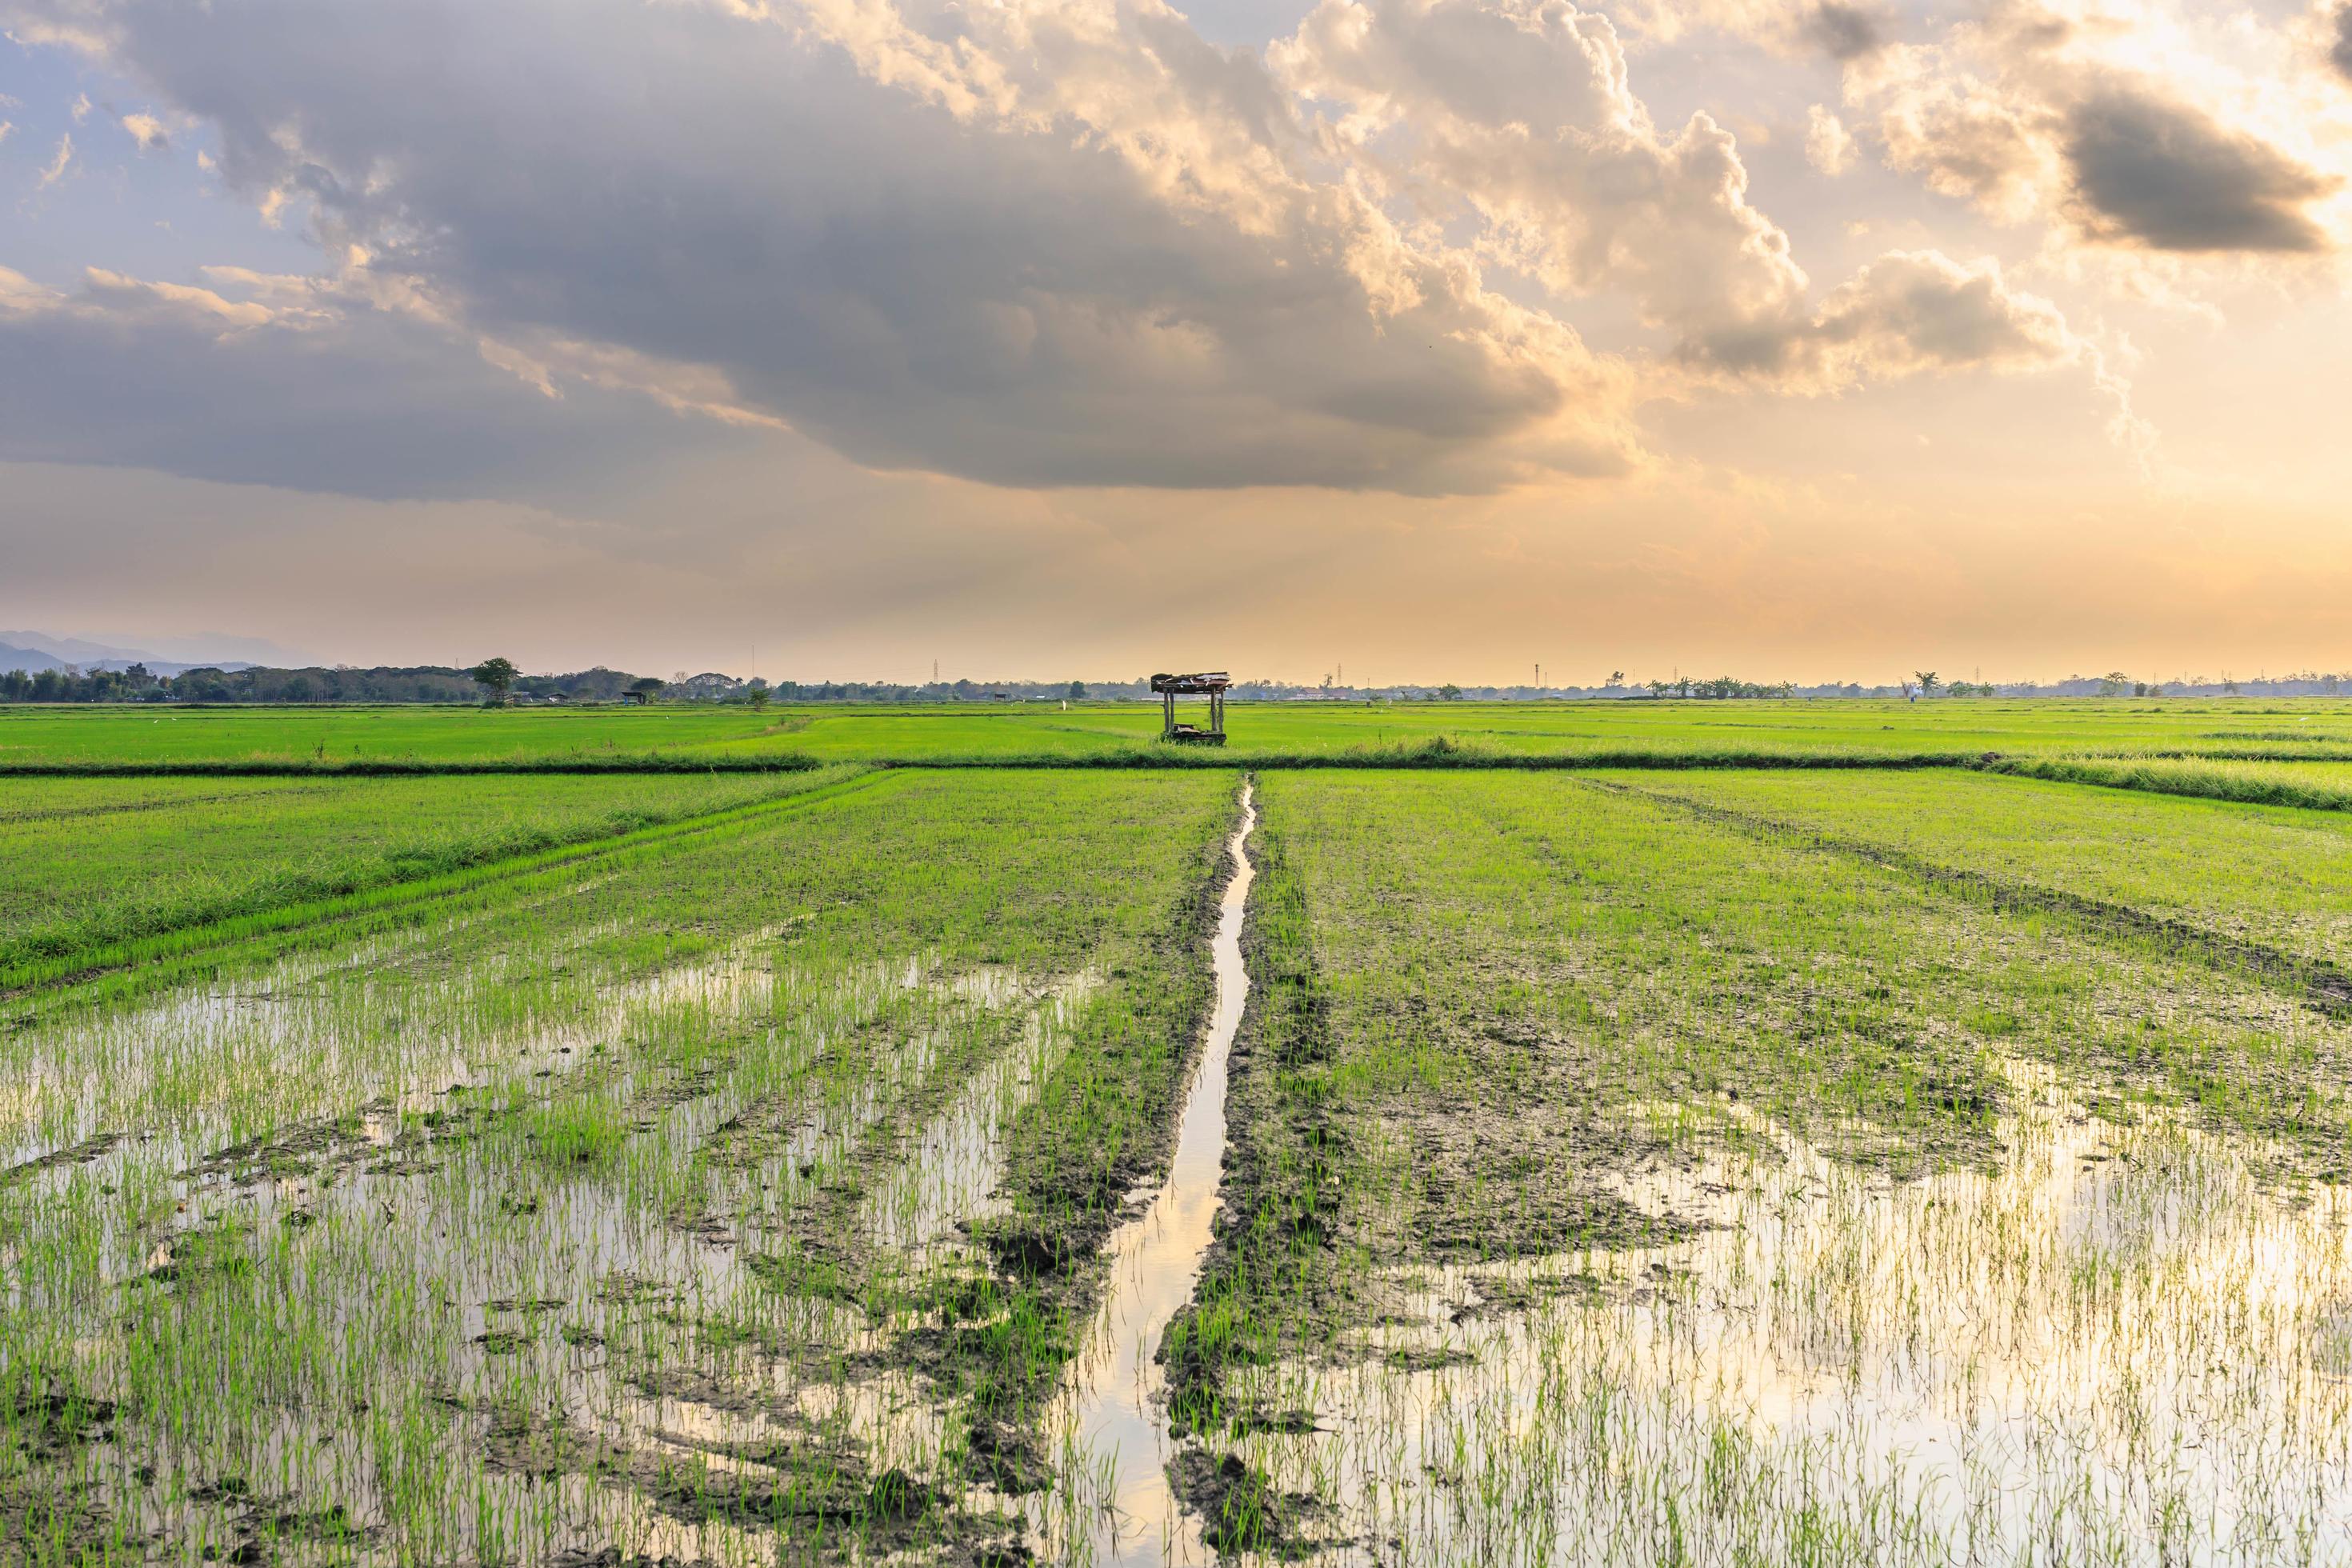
(1113, 1426)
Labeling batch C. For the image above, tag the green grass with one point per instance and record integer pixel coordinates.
(725, 1163)
(2318, 786)
(1485, 994)
(2274, 877)
(88, 865)
(227, 741)
(340, 736)
(406, 1187)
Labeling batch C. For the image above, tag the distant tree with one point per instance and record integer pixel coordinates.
(2115, 683)
(755, 692)
(1659, 687)
(1928, 681)
(1077, 691)
(1681, 686)
(645, 688)
(495, 676)
(1616, 678)
(1450, 692)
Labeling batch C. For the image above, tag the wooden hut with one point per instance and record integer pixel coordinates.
(1211, 685)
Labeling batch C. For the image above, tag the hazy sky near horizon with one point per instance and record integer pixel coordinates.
(1817, 338)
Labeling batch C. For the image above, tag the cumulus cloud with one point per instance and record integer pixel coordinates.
(1969, 141)
(1033, 243)
(1524, 120)
(1906, 313)
(1843, 32)
(2162, 175)
(2339, 46)
(6, 127)
(1912, 311)
(148, 131)
(2027, 112)
(1828, 146)
(1035, 246)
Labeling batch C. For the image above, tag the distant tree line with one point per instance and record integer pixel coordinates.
(387, 683)
(498, 681)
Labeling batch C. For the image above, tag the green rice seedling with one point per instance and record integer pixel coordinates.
(2268, 879)
(77, 890)
(532, 1219)
(1533, 1053)
(223, 743)
(1890, 1164)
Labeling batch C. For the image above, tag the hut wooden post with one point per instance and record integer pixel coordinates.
(1210, 684)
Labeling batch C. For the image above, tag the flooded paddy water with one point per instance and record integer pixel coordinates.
(2119, 1343)
(1110, 1429)
(1308, 1216)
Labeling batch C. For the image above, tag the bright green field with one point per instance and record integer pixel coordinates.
(334, 737)
(1757, 1165)
(337, 736)
(2271, 875)
(88, 865)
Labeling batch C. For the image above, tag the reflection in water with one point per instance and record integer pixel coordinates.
(925, 1205)
(1112, 1426)
(2116, 1345)
(561, 1333)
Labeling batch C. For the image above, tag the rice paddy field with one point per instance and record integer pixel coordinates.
(200, 739)
(990, 1138)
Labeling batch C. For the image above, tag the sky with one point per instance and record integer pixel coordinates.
(1396, 340)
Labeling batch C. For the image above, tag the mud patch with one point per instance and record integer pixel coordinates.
(45, 1431)
(1240, 1509)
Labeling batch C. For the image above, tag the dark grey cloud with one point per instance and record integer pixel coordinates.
(359, 402)
(2339, 51)
(896, 253)
(1844, 32)
(2151, 172)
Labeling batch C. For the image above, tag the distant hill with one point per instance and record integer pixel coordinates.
(32, 652)
(31, 660)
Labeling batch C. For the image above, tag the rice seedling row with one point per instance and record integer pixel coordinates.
(2047, 897)
(577, 1220)
(1609, 1183)
(1807, 1167)
(73, 900)
(674, 739)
